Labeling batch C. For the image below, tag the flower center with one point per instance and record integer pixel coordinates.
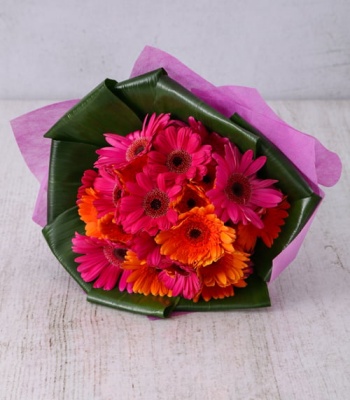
(114, 255)
(238, 189)
(197, 233)
(207, 179)
(179, 161)
(117, 194)
(176, 269)
(191, 203)
(156, 203)
(136, 147)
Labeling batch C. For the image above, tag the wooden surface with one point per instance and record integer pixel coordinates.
(56, 345)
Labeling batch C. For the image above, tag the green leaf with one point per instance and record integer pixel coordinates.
(98, 113)
(155, 306)
(254, 295)
(68, 162)
(156, 92)
(59, 236)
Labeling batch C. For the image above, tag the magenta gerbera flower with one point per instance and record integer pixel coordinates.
(216, 141)
(101, 260)
(179, 155)
(144, 245)
(148, 205)
(238, 193)
(181, 279)
(123, 150)
(87, 181)
(110, 190)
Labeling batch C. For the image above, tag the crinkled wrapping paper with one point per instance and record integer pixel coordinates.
(318, 165)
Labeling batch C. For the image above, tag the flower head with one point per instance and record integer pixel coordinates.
(124, 150)
(148, 205)
(238, 192)
(101, 260)
(144, 277)
(179, 155)
(199, 238)
(181, 279)
(191, 196)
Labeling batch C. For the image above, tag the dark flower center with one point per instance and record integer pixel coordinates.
(191, 203)
(114, 255)
(176, 269)
(238, 189)
(156, 203)
(117, 194)
(195, 233)
(207, 179)
(179, 161)
(136, 147)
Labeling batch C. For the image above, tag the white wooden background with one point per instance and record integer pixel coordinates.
(55, 345)
(289, 49)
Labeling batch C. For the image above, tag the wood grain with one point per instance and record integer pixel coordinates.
(55, 345)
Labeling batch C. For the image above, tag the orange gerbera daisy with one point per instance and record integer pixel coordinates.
(199, 238)
(88, 212)
(273, 219)
(228, 270)
(214, 292)
(192, 196)
(112, 231)
(144, 278)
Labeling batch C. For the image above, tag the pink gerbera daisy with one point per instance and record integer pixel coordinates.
(148, 205)
(179, 155)
(144, 245)
(126, 149)
(238, 193)
(101, 260)
(110, 190)
(87, 181)
(181, 279)
(216, 141)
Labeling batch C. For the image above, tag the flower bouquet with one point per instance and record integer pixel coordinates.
(166, 193)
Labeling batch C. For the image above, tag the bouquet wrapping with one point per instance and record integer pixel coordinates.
(164, 192)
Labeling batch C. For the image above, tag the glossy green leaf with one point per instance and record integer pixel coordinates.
(155, 306)
(68, 162)
(59, 236)
(254, 295)
(97, 113)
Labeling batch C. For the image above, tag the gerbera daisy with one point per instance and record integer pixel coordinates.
(109, 229)
(238, 192)
(136, 144)
(144, 277)
(182, 280)
(146, 248)
(87, 181)
(216, 141)
(179, 154)
(272, 218)
(148, 205)
(110, 190)
(207, 181)
(88, 213)
(192, 196)
(214, 292)
(228, 270)
(101, 260)
(198, 239)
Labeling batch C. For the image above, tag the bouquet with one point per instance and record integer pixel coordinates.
(166, 193)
